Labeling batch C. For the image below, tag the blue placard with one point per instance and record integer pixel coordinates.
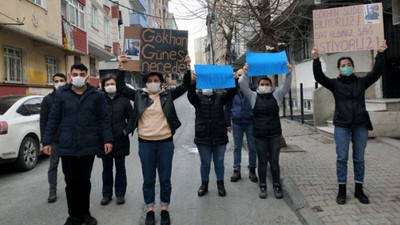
(261, 64)
(214, 76)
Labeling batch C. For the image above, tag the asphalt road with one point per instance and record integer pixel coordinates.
(23, 196)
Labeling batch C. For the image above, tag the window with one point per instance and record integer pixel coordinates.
(41, 3)
(75, 13)
(107, 32)
(51, 68)
(13, 64)
(93, 71)
(95, 15)
(30, 107)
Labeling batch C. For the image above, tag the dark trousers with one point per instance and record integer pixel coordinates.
(120, 176)
(77, 171)
(268, 150)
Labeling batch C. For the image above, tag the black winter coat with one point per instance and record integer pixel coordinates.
(82, 121)
(349, 92)
(142, 100)
(210, 125)
(45, 111)
(120, 112)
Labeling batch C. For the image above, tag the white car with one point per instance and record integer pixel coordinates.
(20, 130)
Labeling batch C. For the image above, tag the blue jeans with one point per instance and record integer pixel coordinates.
(217, 152)
(238, 131)
(156, 156)
(268, 150)
(53, 167)
(358, 136)
(120, 176)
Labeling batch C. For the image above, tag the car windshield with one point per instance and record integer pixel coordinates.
(6, 102)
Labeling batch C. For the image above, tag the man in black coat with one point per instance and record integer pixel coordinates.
(79, 112)
(59, 80)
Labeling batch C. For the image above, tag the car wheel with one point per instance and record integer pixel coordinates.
(28, 154)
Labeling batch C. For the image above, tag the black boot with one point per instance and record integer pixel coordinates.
(359, 193)
(278, 191)
(341, 197)
(203, 188)
(221, 188)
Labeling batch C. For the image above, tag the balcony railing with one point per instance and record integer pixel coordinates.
(139, 5)
(138, 19)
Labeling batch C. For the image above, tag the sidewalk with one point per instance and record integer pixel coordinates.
(308, 172)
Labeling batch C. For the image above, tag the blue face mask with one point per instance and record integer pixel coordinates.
(346, 71)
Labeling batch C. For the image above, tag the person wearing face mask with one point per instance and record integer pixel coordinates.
(267, 130)
(156, 121)
(210, 133)
(79, 112)
(239, 119)
(120, 112)
(351, 119)
(59, 80)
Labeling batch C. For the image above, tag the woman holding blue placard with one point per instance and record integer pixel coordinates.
(351, 118)
(267, 130)
(210, 132)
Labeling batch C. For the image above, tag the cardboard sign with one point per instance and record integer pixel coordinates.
(155, 50)
(214, 76)
(351, 28)
(262, 64)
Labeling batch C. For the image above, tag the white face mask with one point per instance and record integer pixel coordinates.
(58, 85)
(207, 92)
(153, 87)
(110, 89)
(78, 81)
(264, 89)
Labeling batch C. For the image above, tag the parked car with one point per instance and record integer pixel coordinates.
(20, 130)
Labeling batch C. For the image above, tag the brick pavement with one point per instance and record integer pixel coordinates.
(309, 164)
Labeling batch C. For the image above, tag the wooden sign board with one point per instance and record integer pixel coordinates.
(155, 50)
(351, 28)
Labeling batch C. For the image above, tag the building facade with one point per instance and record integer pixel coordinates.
(55, 35)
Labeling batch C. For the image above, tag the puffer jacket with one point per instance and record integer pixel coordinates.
(120, 112)
(82, 121)
(349, 92)
(210, 125)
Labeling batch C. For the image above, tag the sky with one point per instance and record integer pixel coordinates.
(184, 11)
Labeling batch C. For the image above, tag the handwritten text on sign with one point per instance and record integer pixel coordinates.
(164, 50)
(345, 29)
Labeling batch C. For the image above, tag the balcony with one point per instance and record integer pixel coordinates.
(138, 19)
(139, 5)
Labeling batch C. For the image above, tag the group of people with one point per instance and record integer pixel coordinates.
(79, 122)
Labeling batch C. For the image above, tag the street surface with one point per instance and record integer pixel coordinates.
(23, 196)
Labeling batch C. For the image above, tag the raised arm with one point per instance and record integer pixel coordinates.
(181, 89)
(245, 89)
(319, 76)
(121, 85)
(192, 95)
(280, 93)
(376, 72)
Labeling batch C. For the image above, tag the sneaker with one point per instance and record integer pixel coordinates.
(263, 192)
(120, 200)
(72, 221)
(150, 220)
(105, 201)
(236, 176)
(165, 220)
(252, 175)
(278, 192)
(52, 196)
(89, 220)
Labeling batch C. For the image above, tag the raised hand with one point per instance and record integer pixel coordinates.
(383, 46)
(315, 52)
